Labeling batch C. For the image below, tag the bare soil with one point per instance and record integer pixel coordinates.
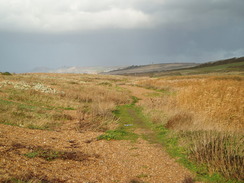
(80, 157)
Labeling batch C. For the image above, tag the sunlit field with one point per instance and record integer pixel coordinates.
(45, 101)
(199, 102)
(201, 116)
(206, 113)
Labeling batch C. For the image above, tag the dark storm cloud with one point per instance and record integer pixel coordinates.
(166, 31)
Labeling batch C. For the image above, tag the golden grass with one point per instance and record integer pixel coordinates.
(202, 102)
(207, 113)
(42, 100)
(203, 110)
(219, 152)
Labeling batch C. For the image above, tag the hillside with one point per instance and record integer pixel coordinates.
(228, 65)
(151, 68)
(76, 69)
(233, 65)
(221, 62)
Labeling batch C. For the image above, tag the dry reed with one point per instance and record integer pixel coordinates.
(212, 102)
(209, 111)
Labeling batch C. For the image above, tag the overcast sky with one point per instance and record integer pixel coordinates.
(56, 33)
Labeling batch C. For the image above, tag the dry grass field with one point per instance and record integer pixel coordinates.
(199, 102)
(45, 100)
(60, 128)
(206, 113)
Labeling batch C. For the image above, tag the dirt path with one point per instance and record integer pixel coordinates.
(138, 91)
(80, 157)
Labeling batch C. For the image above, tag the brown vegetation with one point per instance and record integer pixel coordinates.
(66, 114)
(207, 114)
(200, 102)
(44, 101)
(204, 112)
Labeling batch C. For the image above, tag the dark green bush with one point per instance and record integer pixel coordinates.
(6, 73)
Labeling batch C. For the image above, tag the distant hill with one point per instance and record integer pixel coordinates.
(235, 65)
(227, 65)
(221, 62)
(86, 70)
(151, 68)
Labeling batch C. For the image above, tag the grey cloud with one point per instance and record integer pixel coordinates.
(179, 31)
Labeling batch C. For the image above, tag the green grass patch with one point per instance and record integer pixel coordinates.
(20, 105)
(118, 134)
(68, 108)
(8, 123)
(32, 154)
(130, 117)
(134, 100)
(6, 73)
(48, 155)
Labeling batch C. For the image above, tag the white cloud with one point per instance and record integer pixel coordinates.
(71, 15)
(79, 15)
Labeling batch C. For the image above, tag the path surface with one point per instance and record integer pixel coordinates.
(138, 92)
(92, 161)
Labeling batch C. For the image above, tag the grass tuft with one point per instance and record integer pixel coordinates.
(46, 154)
(119, 134)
